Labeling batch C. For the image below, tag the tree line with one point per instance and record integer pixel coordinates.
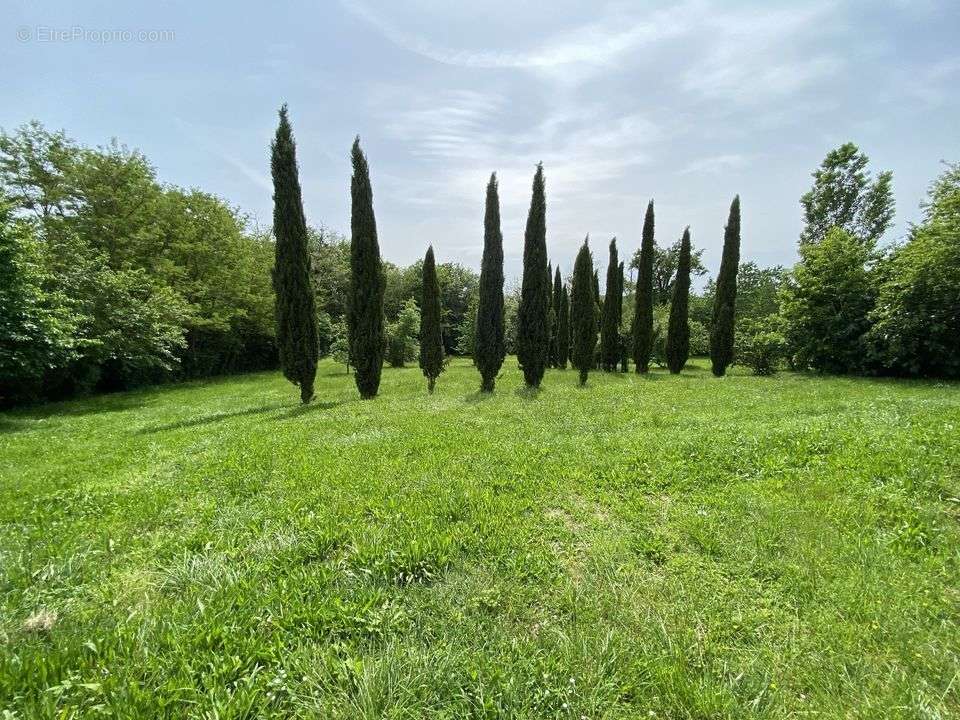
(111, 279)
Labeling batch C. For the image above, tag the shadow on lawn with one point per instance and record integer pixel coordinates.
(299, 410)
(212, 418)
(48, 415)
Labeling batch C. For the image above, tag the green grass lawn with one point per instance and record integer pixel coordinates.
(669, 547)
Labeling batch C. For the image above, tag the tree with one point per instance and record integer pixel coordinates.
(296, 314)
(610, 330)
(563, 329)
(643, 296)
(827, 302)
(533, 336)
(365, 308)
(678, 329)
(431, 340)
(402, 335)
(555, 339)
(623, 347)
(722, 330)
(490, 349)
(36, 324)
(583, 313)
(845, 195)
(916, 321)
(665, 270)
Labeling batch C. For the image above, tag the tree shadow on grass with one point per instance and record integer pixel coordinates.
(527, 393)
(477, 396)
(299, 410)
(29, 417)
(212, 418)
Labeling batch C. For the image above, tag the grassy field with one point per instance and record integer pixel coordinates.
(656, 547)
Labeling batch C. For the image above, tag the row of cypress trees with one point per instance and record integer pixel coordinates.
(554, 326)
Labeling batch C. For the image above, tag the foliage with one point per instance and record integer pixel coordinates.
(678, 327)
(490, 339)
(365, 319)
(563, 329)
(555, 309)
(916, 321)
(340, 344)
(642, 326)
(613, 306)
(431, 341)
(109, 237)
(402, 335)
(583, 313)
(722, 329)
(826, 304)
(845, 196)
(664, 269)
(761, 345)
(533, 330)
(295, 311)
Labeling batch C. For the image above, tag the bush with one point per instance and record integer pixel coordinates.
(760, 345)
(402, 344)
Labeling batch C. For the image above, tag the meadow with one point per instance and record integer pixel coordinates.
(644, 547)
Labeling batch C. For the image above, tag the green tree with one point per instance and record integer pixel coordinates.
(623, 337)
(722, 331)
(533, 335)
(431, 340)
(678, 329)
(491, 347)
(296, 314)
(365, 309)
(610, 330)
(583, 313)
(401, 335)
(826, 304)
(916, 321)
(563, 329)
(643, 296)
(555, 320)
(36, 324)
(845, 195)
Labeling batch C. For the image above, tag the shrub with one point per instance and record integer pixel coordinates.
(760, 345)
(402, 336)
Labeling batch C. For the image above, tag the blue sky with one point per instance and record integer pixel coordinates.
(686, 102)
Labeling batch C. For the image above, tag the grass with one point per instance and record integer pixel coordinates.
(669, 547)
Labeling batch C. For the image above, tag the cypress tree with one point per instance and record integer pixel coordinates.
(533, 330)
(599, 313)
(724, 304)
(365, 303)
(621, 338)
(643, 298)
(551, 317)
(490, 349)
(555, 341)
(563, 330)
(610, 331)
(583, 313)
(295, 310)
(431, 338)
(678, 329)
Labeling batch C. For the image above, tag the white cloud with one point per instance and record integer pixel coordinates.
(715, 165)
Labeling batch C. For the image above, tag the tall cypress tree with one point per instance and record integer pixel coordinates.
(621, 337)
(563, 329)
(533, 330)
(295, 310)
(490, 349)
(678, 329)
(583, 313)
(367, 282)
(724, 304)
(551, 316)
(643, 298)
(610, 331)
(431, 338)
(555, 307)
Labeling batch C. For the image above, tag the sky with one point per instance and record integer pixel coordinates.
(687, 103)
